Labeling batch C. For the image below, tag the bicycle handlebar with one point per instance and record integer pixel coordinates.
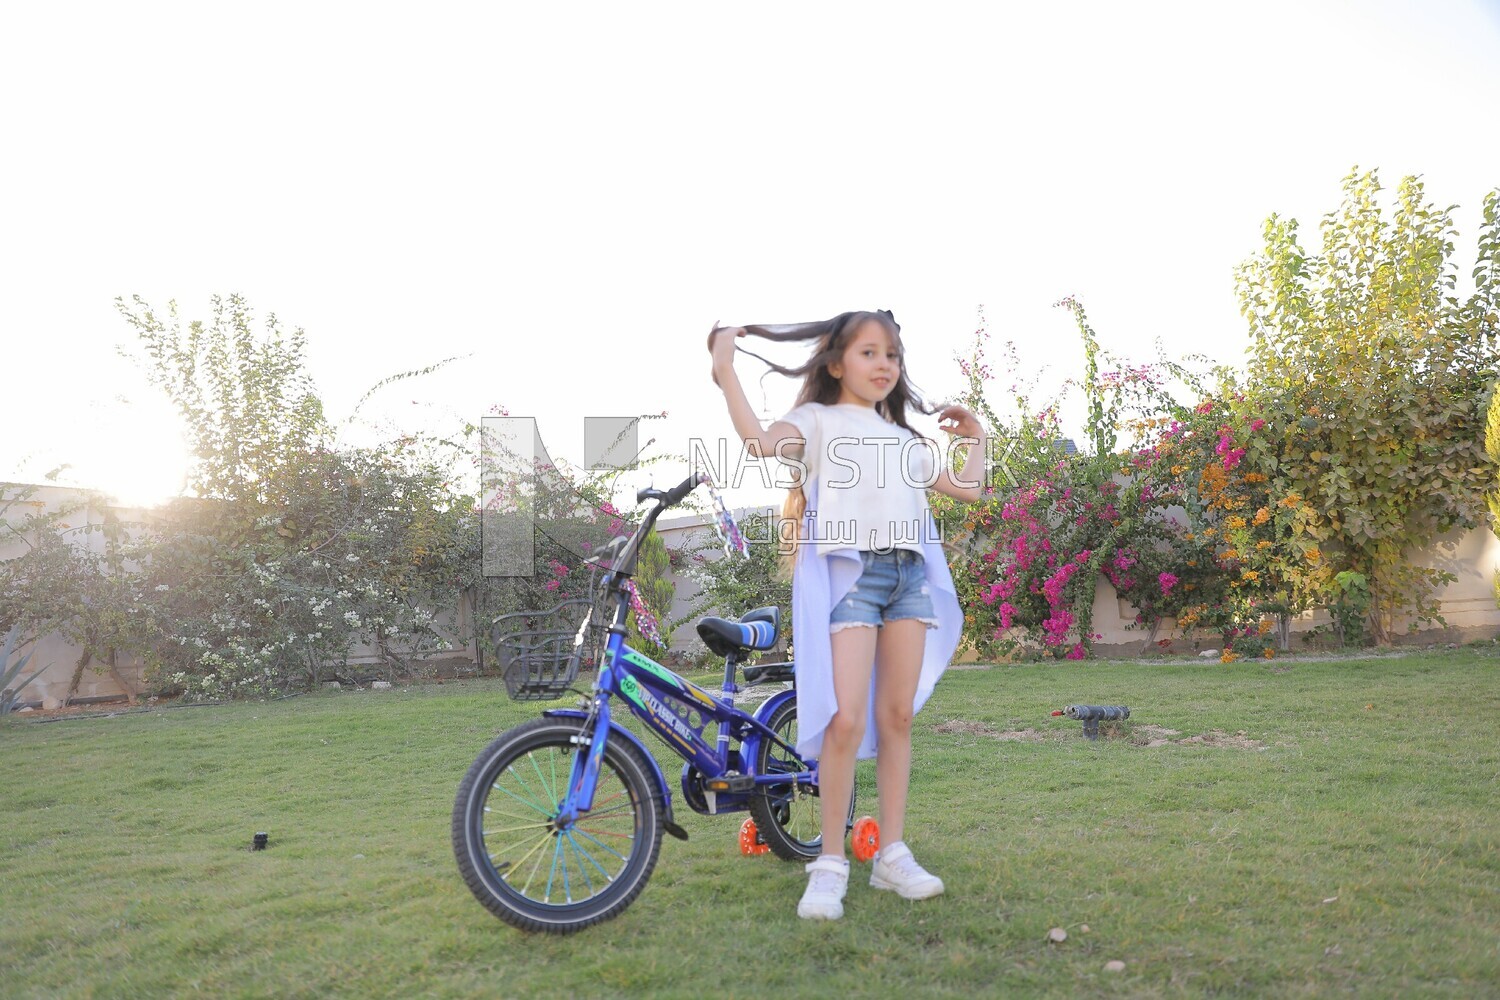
(672, 496)
(624, 561)
(683, 488)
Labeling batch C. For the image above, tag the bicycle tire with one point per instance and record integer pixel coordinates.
(788, 817)
(626, 813)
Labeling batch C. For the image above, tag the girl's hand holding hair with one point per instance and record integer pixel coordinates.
(781, 439)
(721, 345)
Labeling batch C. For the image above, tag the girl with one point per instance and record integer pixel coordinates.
(873, 605)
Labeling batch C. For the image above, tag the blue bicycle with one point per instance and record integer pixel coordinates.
(559, 822)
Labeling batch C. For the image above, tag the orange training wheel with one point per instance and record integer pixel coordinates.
(750, 842)
(865, 838)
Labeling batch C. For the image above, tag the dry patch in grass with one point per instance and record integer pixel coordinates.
(1156, 736)
(968, 728)
(1152, 736)
(1138, 736)
(1219, 738)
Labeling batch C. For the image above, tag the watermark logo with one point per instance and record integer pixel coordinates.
(526, 496)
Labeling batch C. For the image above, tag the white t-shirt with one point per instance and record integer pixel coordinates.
(872, 477)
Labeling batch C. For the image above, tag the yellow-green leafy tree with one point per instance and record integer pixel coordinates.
(1374, 376)
(1492, 448)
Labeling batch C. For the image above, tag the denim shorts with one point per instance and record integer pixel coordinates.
(892, 586)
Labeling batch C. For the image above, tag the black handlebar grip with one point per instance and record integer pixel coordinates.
(682, 489)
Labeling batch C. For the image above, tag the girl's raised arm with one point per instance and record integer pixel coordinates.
(779, 440)
(968, 485)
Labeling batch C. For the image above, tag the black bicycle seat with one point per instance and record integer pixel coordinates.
(756, 630)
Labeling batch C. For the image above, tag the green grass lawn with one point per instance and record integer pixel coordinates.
(1344, 844)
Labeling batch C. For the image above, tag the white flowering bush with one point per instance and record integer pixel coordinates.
(240, 604)
(296, 550)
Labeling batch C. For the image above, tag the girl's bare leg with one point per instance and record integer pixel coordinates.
(853, 662)
(898, 665)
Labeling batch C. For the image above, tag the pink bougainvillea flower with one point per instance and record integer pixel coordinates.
(1167, 582)
(1056, 627)
(1054, 586)
(1076, 653)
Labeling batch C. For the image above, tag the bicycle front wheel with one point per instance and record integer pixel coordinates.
(528, 867)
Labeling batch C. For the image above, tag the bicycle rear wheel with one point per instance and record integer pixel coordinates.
(789, 817)
(528, 868)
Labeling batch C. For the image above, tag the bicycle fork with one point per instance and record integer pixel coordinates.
(584, 779)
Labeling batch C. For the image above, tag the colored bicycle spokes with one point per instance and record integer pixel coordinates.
(540, 857)
(794, 806)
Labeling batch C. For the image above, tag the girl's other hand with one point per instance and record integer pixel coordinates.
(959, 421)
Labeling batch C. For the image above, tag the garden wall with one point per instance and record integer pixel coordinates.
(101, 682)
(1468, 603)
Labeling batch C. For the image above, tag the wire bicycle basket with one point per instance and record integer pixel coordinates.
(541, 652)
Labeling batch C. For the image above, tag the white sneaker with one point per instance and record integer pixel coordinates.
(828, 880)
(896, 869)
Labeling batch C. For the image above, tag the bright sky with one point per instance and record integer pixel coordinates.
(570, 194)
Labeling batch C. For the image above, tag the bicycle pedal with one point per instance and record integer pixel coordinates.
(737, 783)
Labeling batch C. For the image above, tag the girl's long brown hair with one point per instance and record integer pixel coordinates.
(831, 337)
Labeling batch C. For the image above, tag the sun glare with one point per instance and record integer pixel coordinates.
(135, 454)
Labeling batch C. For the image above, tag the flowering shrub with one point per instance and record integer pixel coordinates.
(1245, 544)
(235, 596)
(1184, 525)
(1037, 568)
